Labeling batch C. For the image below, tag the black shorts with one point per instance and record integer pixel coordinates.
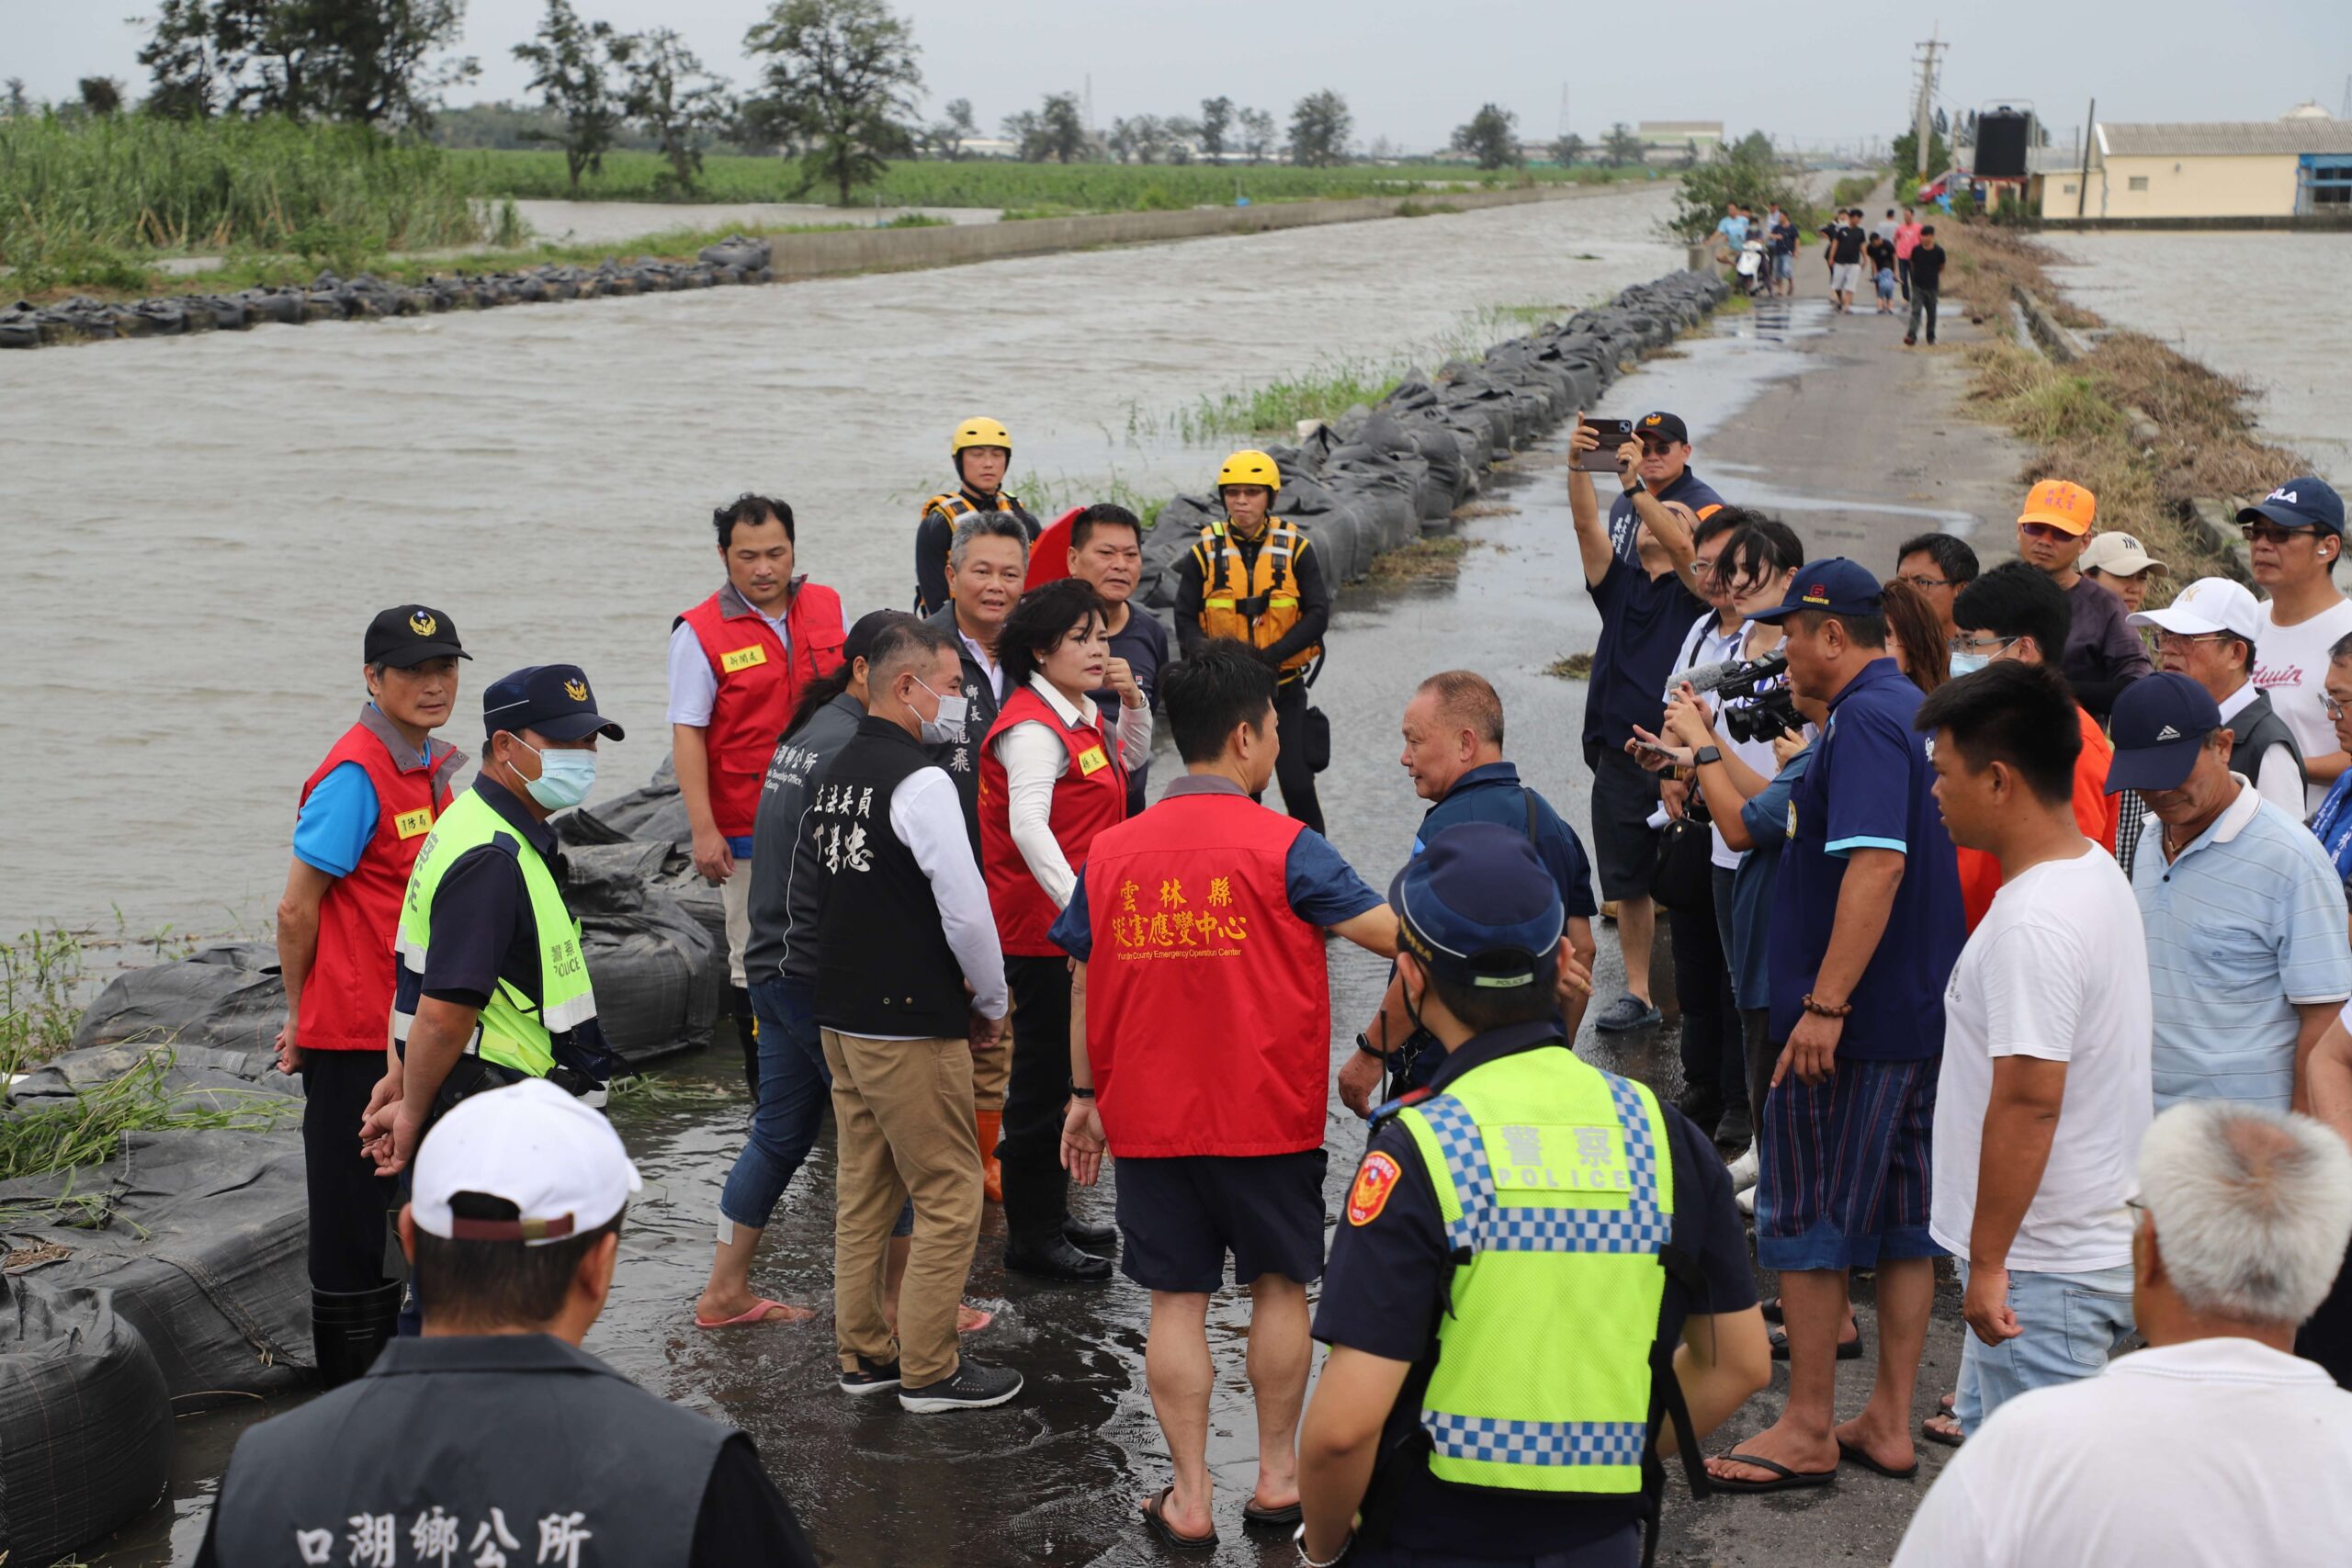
(1179, 1216)
(1624, 845)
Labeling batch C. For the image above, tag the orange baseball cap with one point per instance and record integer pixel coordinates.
(2061, 503)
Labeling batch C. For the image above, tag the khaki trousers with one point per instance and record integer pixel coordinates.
(992, 1069)
(735, 898)
(902, 1116)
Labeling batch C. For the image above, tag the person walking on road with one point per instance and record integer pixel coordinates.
(1926, 266)
(981, 450)
(1846, 242)
(738, 662)
(364, 812)
(1199, 1063)
(1907, 242)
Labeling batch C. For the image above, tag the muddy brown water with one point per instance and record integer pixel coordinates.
(1054, 1476)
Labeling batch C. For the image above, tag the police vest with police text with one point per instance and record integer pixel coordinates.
(513, 1030)
(1226, 580)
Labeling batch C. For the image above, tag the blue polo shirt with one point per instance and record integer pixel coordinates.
(1493, 794)
(1869, 787)
(1643, 622)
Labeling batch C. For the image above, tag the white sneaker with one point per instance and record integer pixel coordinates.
(1743, 1170)
(1746, 1201)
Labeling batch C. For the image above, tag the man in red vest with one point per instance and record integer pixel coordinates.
(738, 661)
(1205, 1027)
(364, 812)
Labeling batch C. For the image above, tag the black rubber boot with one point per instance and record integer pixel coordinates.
(1051, 1257)
(747, 1033)
(348, 1328)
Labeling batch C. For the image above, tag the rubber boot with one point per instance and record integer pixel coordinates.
(348, 1328)
(747, 1034)
(990, 1125)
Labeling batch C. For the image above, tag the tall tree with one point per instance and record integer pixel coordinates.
(1216, 118)
(947, 137)
(1491, 137)
(1621, 147)
(676, 102)
(571, 64)
(370, 62)
(187, 79)
(1319, 124)
(842, 81)
(1257, 133)
(1182, 137)
(1568, 148)
(1061, 128)
(101, 96)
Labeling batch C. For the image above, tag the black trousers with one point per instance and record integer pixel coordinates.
(1714, 1066)
(1036, 1093)
(348, 1199)
(1291, 768)
(1903, 274)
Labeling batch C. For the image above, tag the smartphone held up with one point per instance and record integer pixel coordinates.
(1611, 434)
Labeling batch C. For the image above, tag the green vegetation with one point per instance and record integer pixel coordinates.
(1752, 173)
(42, 979)
(1324, 394)
(1048, 499)
(1854, 189)
(86, 1129)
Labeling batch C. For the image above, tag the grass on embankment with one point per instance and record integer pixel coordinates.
(2074, 415)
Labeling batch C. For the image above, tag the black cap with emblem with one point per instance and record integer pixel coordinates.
(553, 699)
(407, 635)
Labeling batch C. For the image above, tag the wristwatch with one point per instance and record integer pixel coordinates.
(1364, 1045)
(1078, 1093)
(1706, 754)
(1638, 486)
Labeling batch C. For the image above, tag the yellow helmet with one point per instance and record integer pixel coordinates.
(979, 432)
(1250, 467)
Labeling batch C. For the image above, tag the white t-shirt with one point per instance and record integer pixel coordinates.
(2213, 1453)
(2280, 778)
(2057, 970)
(2291, 663)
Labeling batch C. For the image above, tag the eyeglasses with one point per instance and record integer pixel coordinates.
(1924, 584)
(2271, 534)
(1964, 645)
(2182, 639)
(2045, 531)
(2334, 709)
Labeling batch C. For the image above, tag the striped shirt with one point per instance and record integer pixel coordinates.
(2246, 924)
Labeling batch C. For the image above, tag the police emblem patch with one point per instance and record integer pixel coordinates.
(576, 690)
(1376, 1179)
(422, 624)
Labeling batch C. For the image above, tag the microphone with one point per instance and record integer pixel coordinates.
(1705, 678)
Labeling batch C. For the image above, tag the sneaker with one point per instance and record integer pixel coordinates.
(1628, 1011)
(973, 1387)
(1744, 1170)
(871, 1377)
(1910, 341)
(1735, 1131)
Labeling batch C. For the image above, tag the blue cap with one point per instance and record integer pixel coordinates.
(2306, 502)
(2159, 724)
(1835, 587)
(1478, 908)
(553, 699)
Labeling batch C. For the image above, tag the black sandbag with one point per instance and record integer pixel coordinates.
(655, 814)
(85, 1420)
(1171, 539)
(228, 996)
(19, 326)
(203, 1237)
(658, 974)
(736, 250)
(194, 1077)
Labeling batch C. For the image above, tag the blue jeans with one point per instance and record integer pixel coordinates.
(2070, 1325)
(795, 1087)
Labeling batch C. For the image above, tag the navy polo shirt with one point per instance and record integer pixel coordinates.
(1493, 794)
(1687, 488)
(1643, 622)
(1870, 786)
(483, 930)
(1387, 1287)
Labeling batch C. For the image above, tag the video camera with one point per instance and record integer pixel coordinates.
(1752, 715)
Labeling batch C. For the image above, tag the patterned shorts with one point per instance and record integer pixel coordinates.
(1844, 1178)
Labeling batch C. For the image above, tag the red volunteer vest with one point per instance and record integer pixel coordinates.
(1091, 796)
(347, 1000)
(1208, 1016)
(759, 684)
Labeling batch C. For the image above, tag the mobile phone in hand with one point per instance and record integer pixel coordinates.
(1613, 434)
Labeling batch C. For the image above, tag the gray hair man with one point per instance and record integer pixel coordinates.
(2242, 1214)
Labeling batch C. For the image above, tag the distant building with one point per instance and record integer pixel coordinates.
(2299, 163)
(1670, 141)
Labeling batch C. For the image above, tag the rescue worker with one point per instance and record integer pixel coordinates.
(1253, 578)
(1539, 1264)
(981, 450)
(738, 662)
(494, 1438)
(1053, 775)
(365, 810)
(493, 985)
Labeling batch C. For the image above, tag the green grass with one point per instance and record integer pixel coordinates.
(1854, 189)
(42, 975)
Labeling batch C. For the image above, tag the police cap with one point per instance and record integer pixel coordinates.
(1477, 909)
(553, 699)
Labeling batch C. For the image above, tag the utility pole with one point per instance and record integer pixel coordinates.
(1922, 116)
(2347, 97)
(1564, 105)
(2083, 180)
(1090, 103)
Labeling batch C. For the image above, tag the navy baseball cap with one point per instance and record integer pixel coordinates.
(2159, 724)
(1835, 587)
(407, 635)
(1478, 908)
(553, 699)
(2306, 502)
(1663, 425)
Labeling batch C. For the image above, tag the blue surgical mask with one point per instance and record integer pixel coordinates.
(949, 725)
(565, 777)
(1967, 664)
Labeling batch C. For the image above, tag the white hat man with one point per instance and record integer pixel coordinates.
(2208, 634)
(2121, 565)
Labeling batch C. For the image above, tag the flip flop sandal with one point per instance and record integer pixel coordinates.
(1848, 1350)
(1274, 1518)
(1935, 1433)
(1771, 1308)
(1154, 1521)
(1783, 1478)
(759, 1313)
(1847, 1451)
(1949, 1404)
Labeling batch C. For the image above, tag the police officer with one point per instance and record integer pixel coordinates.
(496, 1439)
(1539, 1264)
(493, 985)
(1253, 578)
(981, 450)
(738, 662)
(365, 810)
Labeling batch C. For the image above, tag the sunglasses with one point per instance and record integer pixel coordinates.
(1659, 449)
(2045, 531)
(2271, 534)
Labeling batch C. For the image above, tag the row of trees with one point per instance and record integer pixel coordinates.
(1491, 137)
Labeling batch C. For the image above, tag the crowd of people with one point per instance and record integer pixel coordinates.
(1941, 996)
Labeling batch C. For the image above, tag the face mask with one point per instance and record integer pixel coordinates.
(1967, 664)
(949, 725)
(565, 777)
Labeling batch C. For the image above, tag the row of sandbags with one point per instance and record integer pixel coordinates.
(1379, 476)
(331, 298)
(85, 1425)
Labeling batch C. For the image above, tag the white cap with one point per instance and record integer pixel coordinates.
(559, 1163)
(2119, 554)
(2207, 605)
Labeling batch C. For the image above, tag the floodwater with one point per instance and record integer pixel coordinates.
(2266, 308)
(194, 531)
(613, 222)
(1054, 1477)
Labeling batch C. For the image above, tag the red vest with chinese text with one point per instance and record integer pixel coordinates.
(347, 1000)
(1091, 795)
(1208, 1018)
(759, 684)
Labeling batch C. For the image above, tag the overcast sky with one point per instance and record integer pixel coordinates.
(1413, 69)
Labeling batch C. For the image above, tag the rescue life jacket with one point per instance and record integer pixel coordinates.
(953, 508)
(760, 683)
(1273, 576)
(1091, 795)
